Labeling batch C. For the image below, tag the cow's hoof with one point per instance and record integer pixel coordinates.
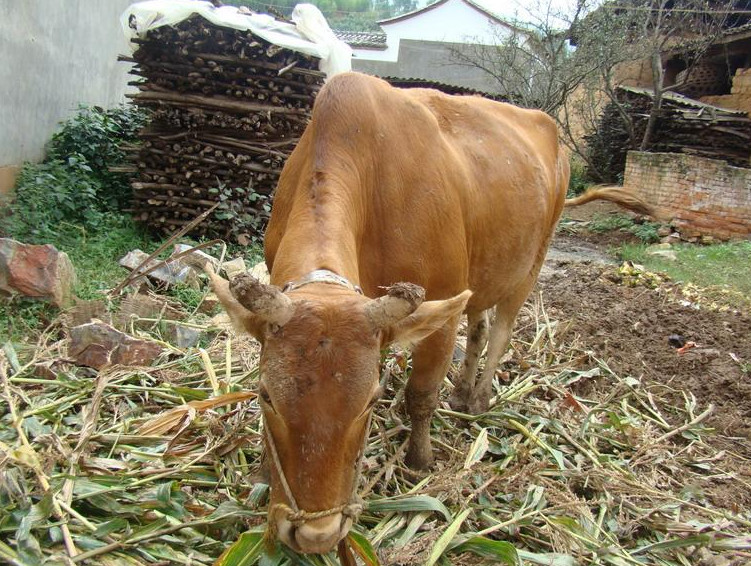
(418, 459)
(478, 405)
(458, 403)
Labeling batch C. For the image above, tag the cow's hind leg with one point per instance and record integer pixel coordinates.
(430, 362)
(477, 338)
(498, 341)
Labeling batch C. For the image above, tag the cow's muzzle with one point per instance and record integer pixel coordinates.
(314, 536)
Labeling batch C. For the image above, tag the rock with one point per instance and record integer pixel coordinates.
(187, 336)
(139, 311)
(99, 345)
(38, 271)
(669, 255)
(169, 274)
(222, 321)
(197, 259)
(261, 272)
(673, 238)
(702, 355)
(656, 247)
(664, 231)
(234, 267)
(663, 250)
(707, 240)
(676, 340)
(209, 304)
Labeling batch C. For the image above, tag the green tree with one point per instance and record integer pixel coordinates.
(391, 8)
(350, 15)
(327, 7)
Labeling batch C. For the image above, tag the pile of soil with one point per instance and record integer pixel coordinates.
(629, 327)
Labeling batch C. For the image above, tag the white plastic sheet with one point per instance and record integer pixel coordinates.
(310, 34)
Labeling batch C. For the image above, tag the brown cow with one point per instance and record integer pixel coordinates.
(456, 195)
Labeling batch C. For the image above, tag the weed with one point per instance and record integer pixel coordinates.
(609, 223)
(49, 194)
(72, 201)
(189, 297)
(21, 318)
(95, 254)
(246, 211)
(74, 185)
(95, 135)
(644, 231)
(578, 181)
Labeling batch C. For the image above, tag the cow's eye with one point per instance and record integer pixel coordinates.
(376, 397)
(263, 394)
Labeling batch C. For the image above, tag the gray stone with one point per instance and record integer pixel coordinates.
(169, 274)
(187, 336)
(197, 259)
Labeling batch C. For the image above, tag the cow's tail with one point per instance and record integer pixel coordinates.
(617, 195)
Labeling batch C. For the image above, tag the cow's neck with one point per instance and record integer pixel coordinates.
(322, 233)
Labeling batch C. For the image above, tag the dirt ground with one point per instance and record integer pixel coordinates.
(630, 328)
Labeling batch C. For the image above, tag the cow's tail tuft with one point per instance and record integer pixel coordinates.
(619, 196)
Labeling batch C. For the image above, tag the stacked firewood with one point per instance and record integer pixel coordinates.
(683, 126)
(228, 108)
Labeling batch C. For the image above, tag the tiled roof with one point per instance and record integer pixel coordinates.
(362, 39)
(443, 87)
(682, 100)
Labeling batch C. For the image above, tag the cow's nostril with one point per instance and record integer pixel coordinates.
(319, 535)
(286, 532)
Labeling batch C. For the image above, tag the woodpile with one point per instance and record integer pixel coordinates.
(228, 108)
(683, 126)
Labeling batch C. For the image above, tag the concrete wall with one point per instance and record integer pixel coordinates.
(429, 60)
(54, 55)
(704, 196)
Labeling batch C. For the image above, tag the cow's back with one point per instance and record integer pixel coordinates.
(446, 192)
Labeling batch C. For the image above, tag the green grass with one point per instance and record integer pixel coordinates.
(95, 258)
(724, 269)
(95, 255)
(22, 318)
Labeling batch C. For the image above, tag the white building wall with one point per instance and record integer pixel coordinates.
(452, 22)
(55, 55)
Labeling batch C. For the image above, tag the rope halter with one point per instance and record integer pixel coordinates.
(292, 512)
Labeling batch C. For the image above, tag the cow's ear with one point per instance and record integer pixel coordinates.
(429, 317)
(242, 319)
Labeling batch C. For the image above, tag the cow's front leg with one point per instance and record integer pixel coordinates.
(430, 362)
(477, 338)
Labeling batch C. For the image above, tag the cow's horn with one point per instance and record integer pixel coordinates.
(402, 299)
(266, 301)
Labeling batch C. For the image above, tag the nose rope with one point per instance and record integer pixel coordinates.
(292, 512)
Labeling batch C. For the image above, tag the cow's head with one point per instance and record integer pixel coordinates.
(319, 380)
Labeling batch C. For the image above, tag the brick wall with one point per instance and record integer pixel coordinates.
(703, 196)
(740, 93)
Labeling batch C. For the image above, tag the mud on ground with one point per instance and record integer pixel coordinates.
(629, 328)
